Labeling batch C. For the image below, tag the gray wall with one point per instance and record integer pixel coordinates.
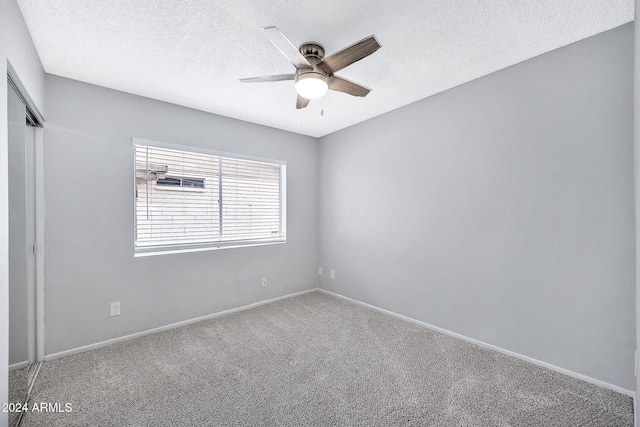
(89, 218)
(501, 209)
(16, 49)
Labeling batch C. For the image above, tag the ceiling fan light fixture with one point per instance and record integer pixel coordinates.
(311, 85)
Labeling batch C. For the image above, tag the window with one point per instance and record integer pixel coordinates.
(193, 199)
(181, 182)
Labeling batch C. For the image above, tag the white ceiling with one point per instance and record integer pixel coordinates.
(192, 52)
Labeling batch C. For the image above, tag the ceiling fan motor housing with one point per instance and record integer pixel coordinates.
(314, 53)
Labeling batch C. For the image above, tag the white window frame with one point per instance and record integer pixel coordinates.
(176, 246)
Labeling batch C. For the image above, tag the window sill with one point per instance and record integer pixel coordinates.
(165, 250)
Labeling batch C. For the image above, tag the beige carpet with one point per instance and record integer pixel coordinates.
(18, 386)
(313, 360)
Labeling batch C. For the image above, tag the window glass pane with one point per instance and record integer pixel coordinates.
(250, 199)
(175, 216)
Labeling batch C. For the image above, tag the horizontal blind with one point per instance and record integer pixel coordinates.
(250, 199)
(186, 198)
(170, 215)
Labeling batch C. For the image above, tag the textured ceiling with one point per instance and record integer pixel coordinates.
(192, 52)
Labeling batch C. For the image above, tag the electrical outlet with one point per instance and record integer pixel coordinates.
(115, 309)
(264, 282)
(320, 271)
(333, 274)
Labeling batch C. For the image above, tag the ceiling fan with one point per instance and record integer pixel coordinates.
(315, 73)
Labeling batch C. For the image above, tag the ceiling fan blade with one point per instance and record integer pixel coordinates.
(287, 48)
(349, 55)
(302, 102)
(274, 78)
(341, 84)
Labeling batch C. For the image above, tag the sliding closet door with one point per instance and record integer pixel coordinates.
(22, 261)
(18, 257)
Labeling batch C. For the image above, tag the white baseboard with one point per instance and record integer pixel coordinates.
(491, 347)
(382, 310)
(171, 326)
(18, 365)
